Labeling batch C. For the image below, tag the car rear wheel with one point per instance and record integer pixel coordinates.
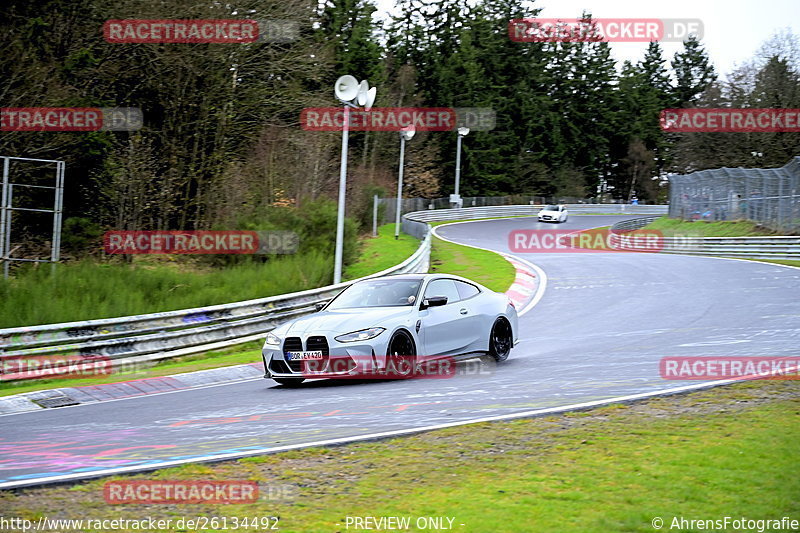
(289, 382)
(501, 340)
(401, 361)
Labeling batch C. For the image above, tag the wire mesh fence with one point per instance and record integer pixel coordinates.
(768, 196)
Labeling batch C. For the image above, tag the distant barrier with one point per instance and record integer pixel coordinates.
(770, 196)
(781, 248)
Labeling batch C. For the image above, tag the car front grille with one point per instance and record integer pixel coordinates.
(293, 344)
(314, 343)
(341, 364)
(318, 343)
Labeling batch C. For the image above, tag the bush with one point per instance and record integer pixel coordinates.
(79, 234)
(314, 223)
(85, 290)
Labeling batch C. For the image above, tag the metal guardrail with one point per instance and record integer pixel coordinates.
(387, 206)
(164, 335)
(469, 213)
(169, 334)
(782, 248)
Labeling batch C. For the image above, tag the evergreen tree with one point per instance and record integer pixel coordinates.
(693, 72)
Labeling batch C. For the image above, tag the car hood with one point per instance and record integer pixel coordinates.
(342, 321)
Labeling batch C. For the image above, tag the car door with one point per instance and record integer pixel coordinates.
(474, 316)
(443, 329)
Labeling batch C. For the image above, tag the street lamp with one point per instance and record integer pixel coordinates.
(347, 90)
(405, 135)
(462, 132)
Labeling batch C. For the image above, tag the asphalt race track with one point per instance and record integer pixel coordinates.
(599, 331)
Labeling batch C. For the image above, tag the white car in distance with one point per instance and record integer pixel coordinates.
(553, 213)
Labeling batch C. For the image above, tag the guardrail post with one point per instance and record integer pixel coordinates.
(375, 216)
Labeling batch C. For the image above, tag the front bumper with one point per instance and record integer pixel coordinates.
(340, 359)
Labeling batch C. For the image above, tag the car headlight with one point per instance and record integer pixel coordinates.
(361, 335)
(272, 340)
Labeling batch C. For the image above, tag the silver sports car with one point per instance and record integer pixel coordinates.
(392, 322)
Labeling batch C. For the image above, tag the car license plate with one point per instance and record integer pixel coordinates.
(304, 356)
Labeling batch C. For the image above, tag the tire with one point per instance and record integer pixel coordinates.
(289, 382)
(401, 359)
(501, 340)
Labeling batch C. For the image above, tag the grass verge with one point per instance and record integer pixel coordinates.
(88, 290)
(487, 268)
(729, 451)
(700, 228)
(381, 252)
(787, 262)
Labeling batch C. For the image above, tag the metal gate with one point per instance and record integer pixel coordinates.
(7, 209)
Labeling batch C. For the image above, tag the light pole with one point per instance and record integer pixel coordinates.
(462, 132)
(347, 90)
(405, 135)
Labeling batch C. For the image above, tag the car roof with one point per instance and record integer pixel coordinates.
(419, 276)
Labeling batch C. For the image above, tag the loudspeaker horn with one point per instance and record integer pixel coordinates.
(363, 89)
(346, 88)
(370, 98)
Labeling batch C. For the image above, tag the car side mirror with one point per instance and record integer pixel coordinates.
(320, 305)
(433, 301)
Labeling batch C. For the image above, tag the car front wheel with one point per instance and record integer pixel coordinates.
(401, 361)
(501, 340)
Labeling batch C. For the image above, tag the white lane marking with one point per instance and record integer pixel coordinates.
(738, 259)
(715, 343)
(369, 436)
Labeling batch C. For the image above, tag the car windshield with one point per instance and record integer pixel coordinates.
(378, 293)
(550, 208)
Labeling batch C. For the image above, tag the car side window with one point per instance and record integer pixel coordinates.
(443, 287)
(466, 290)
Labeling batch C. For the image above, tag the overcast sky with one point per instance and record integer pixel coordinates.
(734, 29)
